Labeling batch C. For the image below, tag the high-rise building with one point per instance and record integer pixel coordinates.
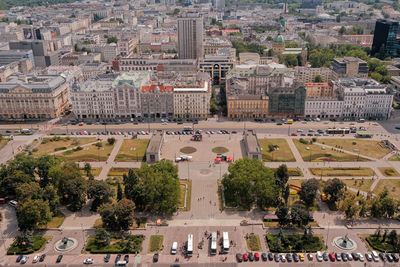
(385, 34)
(190, 36)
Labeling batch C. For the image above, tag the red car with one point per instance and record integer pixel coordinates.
(256, 256)
(245, 257)
(293, 134)
(332, 256)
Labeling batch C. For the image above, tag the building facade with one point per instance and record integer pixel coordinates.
(385, 37)
(349, 67)
(190, 36)
(157, 101)
(307, 75)
(33, 97)
(287, 101)
(247, 106)
(217, 65)
(325, 107)
(318, 89)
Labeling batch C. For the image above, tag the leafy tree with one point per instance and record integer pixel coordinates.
(25, 239)
(299, 215)
(119, 192)
(44, 164)
(350, 206)
(27, 191)
(13, 180)
(103, 237)
(50, 195)
(342, 30)
(33, 213)
(334, 190)
(88, 169)
(383, 205)
(100, 192)
(308, 192)
(286, 194)
(393, 238)
(111, 141)
(72, 189)
(248, 182)
(119, 215)
(382, 70)
(282, 176)
(134, 190)
(282, 212)
(289, 60)
(318, 79)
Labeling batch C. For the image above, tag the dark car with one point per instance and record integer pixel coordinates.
(117, 258)
(325, 256)
(382, 256)
(155, 257)
(296, 257)
(344, 257)
(107, 258)
(270, 256)
(395, 257)
(251, 256)
(59, 258)
(276, 257)
(264, 256)
(126, 258)
(356, 257)
(41, 259)
(239, 257)
(389, 257)
(19, 258)
(289, 257)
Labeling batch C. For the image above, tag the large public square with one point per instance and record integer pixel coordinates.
(378, 167)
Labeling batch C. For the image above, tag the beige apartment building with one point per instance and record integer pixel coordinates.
(318, 89)
(307, 75)
(247, 106)
(33, 97)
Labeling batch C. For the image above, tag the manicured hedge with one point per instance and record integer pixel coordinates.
(38, 243)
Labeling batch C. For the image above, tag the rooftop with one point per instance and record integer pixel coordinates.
(155, 142)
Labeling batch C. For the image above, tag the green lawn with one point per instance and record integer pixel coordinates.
(394, 158)
(55, 222)
(378, 244)
(318, 153)
(370, 148)
(119, 172)
(292, 171)
(220, 150)
(281, 153)
(188, 183)
(342, 171)
(156, 242)
(53, 144)
(95, 171)
(389, 172)
(294, 243)
(253, 242)
(39, 242)
(188, 150)
(89, 153)
(117, 245)
(359, 184)
(133, 150)
(392, 185)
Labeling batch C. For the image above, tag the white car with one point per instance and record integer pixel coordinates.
(299, 130)
(88, 261)
(36, 258)
(24, 259)
(319, 256)
(360, 256)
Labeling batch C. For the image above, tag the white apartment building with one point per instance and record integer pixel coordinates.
(323, 107)
(365, 98)
(193, 99)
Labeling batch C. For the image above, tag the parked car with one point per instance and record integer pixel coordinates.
(332, 256)
(349, 256)
(319, 256)
(338, 257)
(107, 258)
(395, 257)
(325, 256)
(355, 256)
(117, 258)
(344, 256)
(239, 257)
(296, 257)
(24, 259)
(42, 258)
(368, 257)
(270, 256)
(88, 261)
(36, 258)
(276, 257)
(264, 256)
(126, 258)
(360, 257)
(251, 256)
(155, 257)
(282, 257)
(19, 258)
(245, 257)
(301, 256)
(59, 258)
(289, 257)
(310, 256)
(256, 256)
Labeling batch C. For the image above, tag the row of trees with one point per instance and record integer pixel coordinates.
(42, 184)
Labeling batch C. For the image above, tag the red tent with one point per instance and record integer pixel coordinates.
(229, 159)
(218, 159)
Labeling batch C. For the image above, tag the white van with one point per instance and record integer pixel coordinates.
(174, 248)
(375, 256)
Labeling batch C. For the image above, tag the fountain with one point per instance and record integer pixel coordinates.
(66, 244)
(344, 243)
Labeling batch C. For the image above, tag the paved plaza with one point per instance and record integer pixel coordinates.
(205, 215)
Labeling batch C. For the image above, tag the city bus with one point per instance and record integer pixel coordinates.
(225, 241)
(188, 128)
(338, 131)
(189, 252)
(213, 243)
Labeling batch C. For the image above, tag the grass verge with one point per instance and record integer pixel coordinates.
(156, 242)
(342, 171)
(253, 242)
(133, 150)
(276, 150)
